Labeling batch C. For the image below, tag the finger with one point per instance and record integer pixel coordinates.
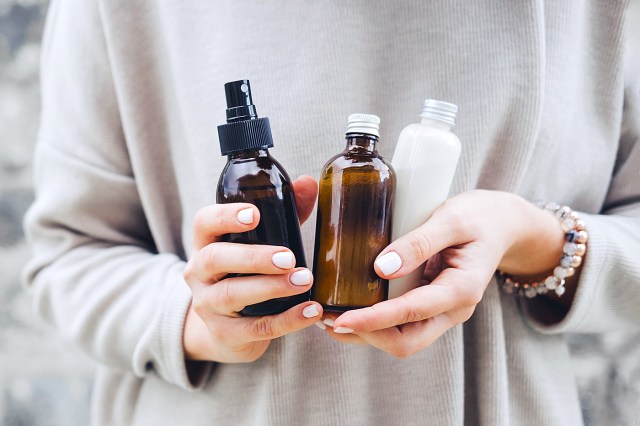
(444, 229)
(452, 289)
(306, 190)
(216, 260)
(212, 221)
(272, 326)
(409, 339)
(231, 295)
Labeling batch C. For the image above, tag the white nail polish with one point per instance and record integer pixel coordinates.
(342, 330)
(283, 260)
(389, 263)
(301, 277)
(328, 321)
(310, 311)
(245, 216)
(320, 325)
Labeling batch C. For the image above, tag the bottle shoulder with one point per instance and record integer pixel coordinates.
(417, 132)
(346, 161)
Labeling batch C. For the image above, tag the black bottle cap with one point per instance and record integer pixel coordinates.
(244, 130)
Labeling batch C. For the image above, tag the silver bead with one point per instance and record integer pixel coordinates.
(507, 287)
(530, 292)
(560, 291)
(582, 237)
(567, 224)
(551, 207)
(570, 272)
(574, 216)
(569, 249)
(560, 272)
(563, 212)
(581, 249)
(581, 225)
(551, 282)
(577, 260)
(565, 261)
(542, 289)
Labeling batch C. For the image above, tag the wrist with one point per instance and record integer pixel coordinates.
(538, 246)
(195, 337)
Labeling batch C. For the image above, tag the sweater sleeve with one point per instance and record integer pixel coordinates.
(608, 293)
(95, 273)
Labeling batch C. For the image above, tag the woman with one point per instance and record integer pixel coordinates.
(127, 263)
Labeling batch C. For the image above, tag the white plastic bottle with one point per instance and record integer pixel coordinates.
(425, 161)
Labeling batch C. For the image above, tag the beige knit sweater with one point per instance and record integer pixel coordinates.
(128, 152)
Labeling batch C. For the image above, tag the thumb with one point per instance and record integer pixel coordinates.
(410, 251)
(305, 189)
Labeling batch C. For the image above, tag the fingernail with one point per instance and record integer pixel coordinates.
(301, 277)
(245, 216)
(320, 325)
(328, 321)
(389, 263)
(310, 311)
(283, 260)
(342, 330)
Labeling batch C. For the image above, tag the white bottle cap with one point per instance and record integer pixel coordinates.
(364, 123)
(439, 110)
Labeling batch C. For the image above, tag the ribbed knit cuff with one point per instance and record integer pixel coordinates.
(173, 367)
(605, 295)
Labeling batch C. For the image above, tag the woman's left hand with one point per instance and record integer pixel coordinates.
(463, 243)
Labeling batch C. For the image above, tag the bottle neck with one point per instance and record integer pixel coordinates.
(361, 142)
(252, 153)
(436, 124)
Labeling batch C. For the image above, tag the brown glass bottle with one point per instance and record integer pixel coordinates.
(354, 221)
(251, 175)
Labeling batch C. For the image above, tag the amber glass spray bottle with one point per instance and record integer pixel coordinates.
(354, 221)
(252, 175)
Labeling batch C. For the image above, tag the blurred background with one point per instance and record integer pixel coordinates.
(45, 381)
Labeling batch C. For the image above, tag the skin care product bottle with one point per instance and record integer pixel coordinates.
(425, 161)
(252, 175)
(354, 220)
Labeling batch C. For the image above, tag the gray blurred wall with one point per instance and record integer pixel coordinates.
(44, 381)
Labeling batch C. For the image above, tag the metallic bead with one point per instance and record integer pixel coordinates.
(563, 212)
(570, 272)
(569, 249)
(581, 225)
(567, 224)
(574, 216)
(582, 237)
(560, 272)
(507, 287)
(566, 261)
(571, 236)
(529, 292)
(551, 207)
(581, 249)
(542, 289)
(551, 282)
(577, 261)
(560, 291)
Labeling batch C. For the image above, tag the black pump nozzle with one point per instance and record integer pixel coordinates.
(240, 105)
(244, 130)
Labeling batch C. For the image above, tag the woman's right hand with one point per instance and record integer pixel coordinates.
(214, 329)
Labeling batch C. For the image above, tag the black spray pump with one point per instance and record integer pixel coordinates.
(244, 130)
(253, 176)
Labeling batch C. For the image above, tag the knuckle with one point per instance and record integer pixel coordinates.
(262, 328)
(226, 295)
(209, 258)
(411, 312)
(199, 307)
(188, 274)
(419, 245)
(402, 351)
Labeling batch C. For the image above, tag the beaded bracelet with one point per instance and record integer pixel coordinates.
(575, 247)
